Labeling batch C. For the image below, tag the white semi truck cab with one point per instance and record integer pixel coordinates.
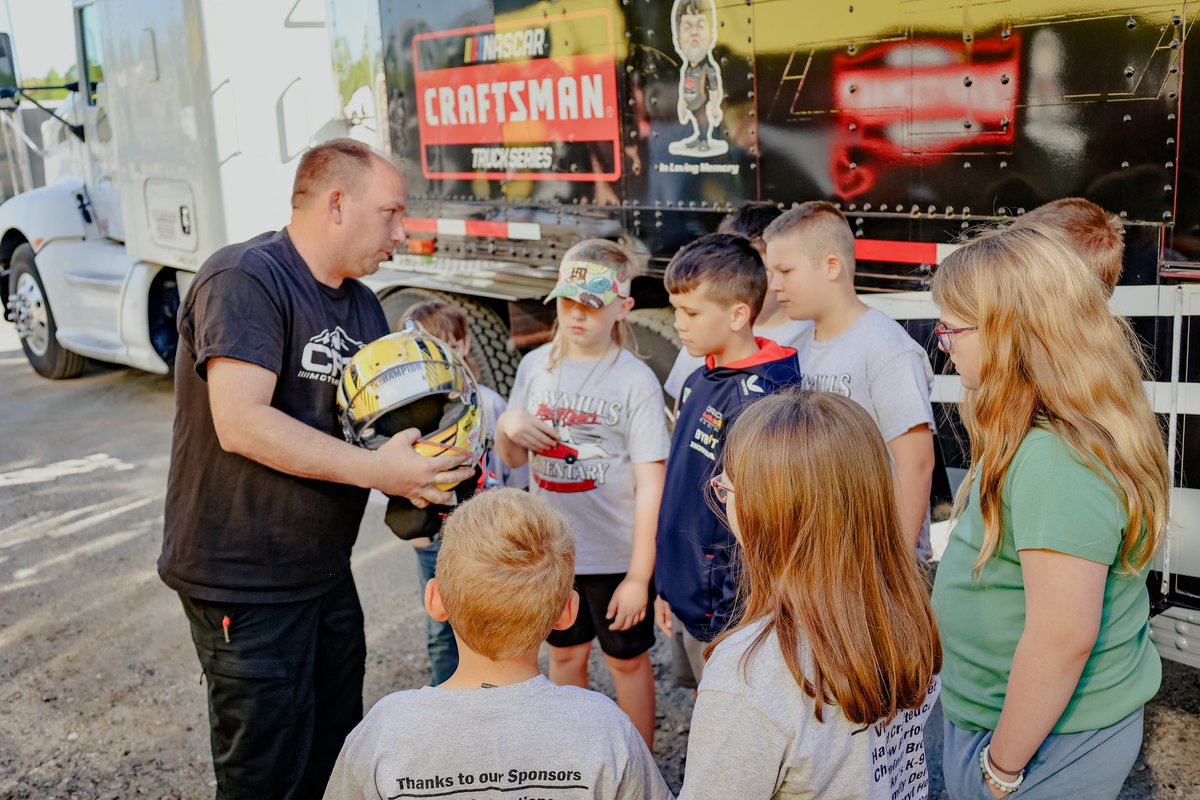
(191, 116)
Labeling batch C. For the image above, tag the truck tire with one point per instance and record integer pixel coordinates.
(492, 353)
(655, 338)
(656, 341)
(35, 321)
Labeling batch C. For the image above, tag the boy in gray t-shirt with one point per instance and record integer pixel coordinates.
(497, 725)
(856, 351)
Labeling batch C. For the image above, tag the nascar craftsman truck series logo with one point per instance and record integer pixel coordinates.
(519, 98)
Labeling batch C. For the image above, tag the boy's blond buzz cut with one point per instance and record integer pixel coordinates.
(505, 571)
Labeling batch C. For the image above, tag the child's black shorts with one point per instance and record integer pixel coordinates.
(595, 591)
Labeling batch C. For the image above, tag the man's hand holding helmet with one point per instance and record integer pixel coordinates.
(405, 472)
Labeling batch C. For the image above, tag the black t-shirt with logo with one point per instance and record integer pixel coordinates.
(236, 530)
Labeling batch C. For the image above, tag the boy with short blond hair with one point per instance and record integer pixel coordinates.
(856, 351)
(504, 582)
(716, 285)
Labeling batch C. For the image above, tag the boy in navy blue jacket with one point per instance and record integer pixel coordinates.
(717, 284)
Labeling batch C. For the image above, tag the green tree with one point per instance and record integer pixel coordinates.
(51, 78)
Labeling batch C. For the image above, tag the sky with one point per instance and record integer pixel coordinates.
(42, 35)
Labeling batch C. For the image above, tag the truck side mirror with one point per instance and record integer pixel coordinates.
(8, 74)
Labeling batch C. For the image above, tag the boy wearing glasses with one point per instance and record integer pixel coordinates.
(716, 284)
(856, 351)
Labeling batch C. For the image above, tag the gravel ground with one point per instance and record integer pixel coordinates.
(99, 683)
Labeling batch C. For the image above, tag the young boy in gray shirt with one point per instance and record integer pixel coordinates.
(856, 351)
(497, 725)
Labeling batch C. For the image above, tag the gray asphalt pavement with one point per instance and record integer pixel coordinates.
(100, 686)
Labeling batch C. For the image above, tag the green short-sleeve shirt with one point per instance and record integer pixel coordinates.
(1050, 501)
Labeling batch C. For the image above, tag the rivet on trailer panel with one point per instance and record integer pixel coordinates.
(852, 206)
(1127, 118)
(932, 209)
(1131, 24)
(967, 80)
(967, 37)
(1170, 141)
(1004, 79)
(1003, 165)
(858, 234)
(883, 206)
(949, 212)
(866, 206)
(1174, 44)
(1175, 19)
(1129, 72)
(1167, 188)
(966, 165)
(1123, 214)
(1124, 165)
(1021, 210)
(1171, 117)
(1166, 215)
(916, 212)
(1170, 165)
(859, 222)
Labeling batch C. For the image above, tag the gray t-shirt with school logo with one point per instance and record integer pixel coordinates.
(754, 734)
(878, 365)
(609, 415)
(530, 739)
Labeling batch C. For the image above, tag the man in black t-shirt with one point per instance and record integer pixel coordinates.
(264, 497)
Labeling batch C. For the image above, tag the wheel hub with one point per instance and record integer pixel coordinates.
(27, 307)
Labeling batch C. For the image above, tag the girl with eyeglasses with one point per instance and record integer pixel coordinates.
(822, 688)
(1041, 594)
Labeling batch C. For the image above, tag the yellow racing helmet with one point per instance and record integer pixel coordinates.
(408, 380)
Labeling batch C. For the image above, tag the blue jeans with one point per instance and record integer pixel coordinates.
(1091, 764)
(439, 637)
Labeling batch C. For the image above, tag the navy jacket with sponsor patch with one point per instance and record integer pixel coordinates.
(694, 569)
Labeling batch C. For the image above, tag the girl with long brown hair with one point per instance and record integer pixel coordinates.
(822, 688)
(1041, 593)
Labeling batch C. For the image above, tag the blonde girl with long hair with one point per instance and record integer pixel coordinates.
(822, 688)
(587, 416)
(1041, 593)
